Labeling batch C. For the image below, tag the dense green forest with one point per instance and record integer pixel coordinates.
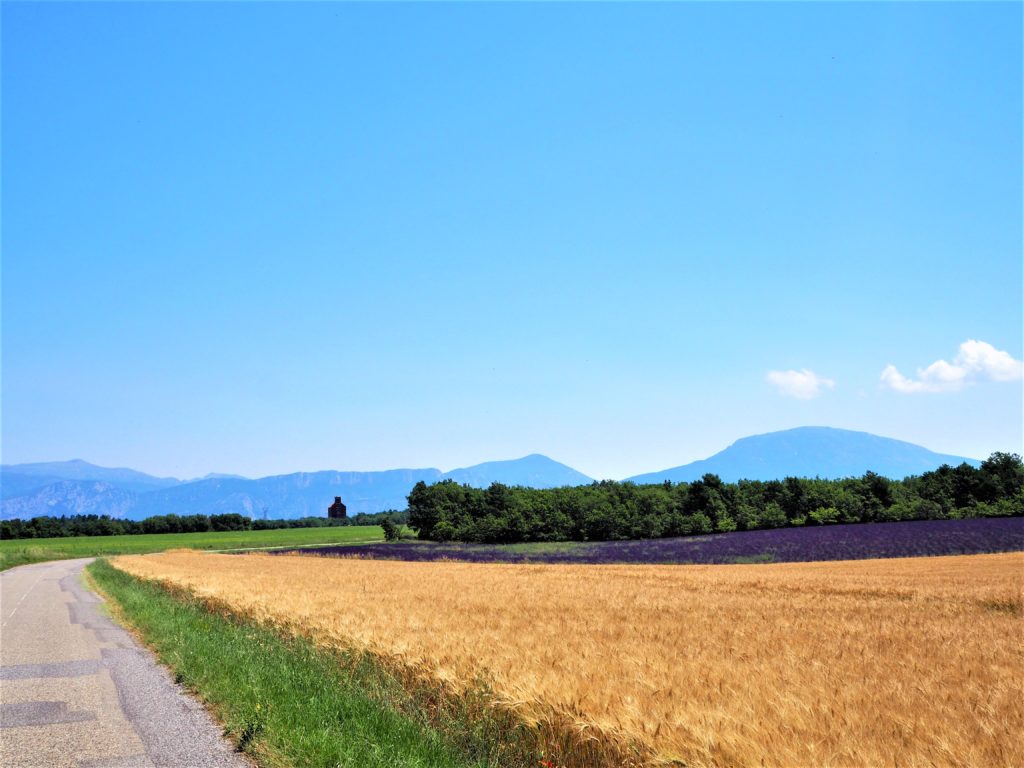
(608, 510)
(102, 525)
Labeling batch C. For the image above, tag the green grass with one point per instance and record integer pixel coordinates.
(22, 551)
(764, 557)
(544, 547)
(286, 702)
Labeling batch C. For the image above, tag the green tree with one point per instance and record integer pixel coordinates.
(232, 521)
(824, 516)
(392, 532)
(1006, 473)
(423, 513)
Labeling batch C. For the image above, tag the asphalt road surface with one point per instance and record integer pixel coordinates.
(77, 691)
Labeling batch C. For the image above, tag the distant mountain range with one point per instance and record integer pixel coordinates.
(45, 473)
(809, 452)
(77, 487)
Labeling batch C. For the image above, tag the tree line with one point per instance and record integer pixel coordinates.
(103, 525)
(609, 510)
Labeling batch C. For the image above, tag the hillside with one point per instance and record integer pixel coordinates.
(809, 452)
(76, 469)
(535, 471)
(70, 497)
(301, 494)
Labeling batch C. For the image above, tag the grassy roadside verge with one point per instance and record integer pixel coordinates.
(15, 552)
(286, 702)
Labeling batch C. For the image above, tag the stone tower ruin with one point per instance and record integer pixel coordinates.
(337, 510)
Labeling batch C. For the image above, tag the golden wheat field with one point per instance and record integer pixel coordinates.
(912, 662)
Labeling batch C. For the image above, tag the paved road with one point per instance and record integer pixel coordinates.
(77, 691)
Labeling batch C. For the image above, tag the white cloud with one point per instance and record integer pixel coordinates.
(803, 384)
(974, 361)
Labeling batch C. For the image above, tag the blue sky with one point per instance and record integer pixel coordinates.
(263, 238)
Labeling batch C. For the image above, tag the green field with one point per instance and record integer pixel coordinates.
(22, 551)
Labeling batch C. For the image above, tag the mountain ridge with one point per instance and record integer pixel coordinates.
(29, 490)
(528, 470)
(826, 452)
(77, 469)
(297, 494)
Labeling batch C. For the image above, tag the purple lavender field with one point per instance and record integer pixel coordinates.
(781, 545)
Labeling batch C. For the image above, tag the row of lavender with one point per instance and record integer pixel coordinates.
(781, 545)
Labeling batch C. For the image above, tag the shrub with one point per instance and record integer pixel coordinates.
(444, 531)
(392, 532)
(230, 522)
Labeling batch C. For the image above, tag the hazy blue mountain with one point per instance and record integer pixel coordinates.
(30, 490)
(128, 479)
(15, 484)
(809, 452)
(305, 494)
(301, 494)
(534, 471)
(283, 496)
(70, 497)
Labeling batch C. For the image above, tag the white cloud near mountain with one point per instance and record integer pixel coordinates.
(975, 361)
(803, 384)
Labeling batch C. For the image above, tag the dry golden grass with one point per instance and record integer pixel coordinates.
(914, 662)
